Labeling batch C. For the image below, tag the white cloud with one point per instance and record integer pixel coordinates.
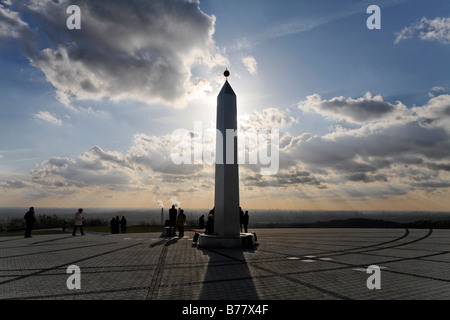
(48, 117)
(361, 110)
(268, 118)
(437, 29)
(13, 184)
(435, 91)
(436, 113)
(395, 149)
(12, 25)
(251, 64)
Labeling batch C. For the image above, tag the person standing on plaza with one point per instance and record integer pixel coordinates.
(123, 224)
(117, 225)
(201, 222)
(78, 222)
(30, 219)
(241, 217)
(173, 220)
(245, 221)
(210, 224)
(181, 220)
(112, 225)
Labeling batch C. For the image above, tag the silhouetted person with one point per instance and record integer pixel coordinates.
(210, 224)
(78, 222)
(173, 220)
(112, 225)
(201, 222)
(64, 224)
(117, 225)
(30, 219)
(123, 224)
(181, 220)
(245, 221)
(241, 217)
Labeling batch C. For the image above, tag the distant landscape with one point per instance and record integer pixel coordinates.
(258, 218)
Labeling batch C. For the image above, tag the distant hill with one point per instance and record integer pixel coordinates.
(363, 223)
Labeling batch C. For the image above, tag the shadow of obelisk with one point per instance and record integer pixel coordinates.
(226, 197)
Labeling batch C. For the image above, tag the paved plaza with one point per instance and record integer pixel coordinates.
(287, 264)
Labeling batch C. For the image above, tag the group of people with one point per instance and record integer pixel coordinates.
(209, 229)
(116, 224)
(30, 219)
(177, 221)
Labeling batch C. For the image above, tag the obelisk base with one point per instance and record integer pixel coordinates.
(244, 240)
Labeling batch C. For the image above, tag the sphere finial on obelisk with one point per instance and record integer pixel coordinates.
(226, 73)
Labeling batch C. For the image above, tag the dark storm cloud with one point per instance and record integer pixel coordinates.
(403, 140)
(125, 49)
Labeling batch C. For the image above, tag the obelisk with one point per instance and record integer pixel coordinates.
(226, 196)
(226, 193)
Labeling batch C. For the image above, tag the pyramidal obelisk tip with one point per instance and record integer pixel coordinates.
(226, 89)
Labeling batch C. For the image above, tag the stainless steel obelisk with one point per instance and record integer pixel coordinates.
(226, 197)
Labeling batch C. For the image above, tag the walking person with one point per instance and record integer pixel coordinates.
(181, 220)
(78, 222)
(30, 219)
(245, 221)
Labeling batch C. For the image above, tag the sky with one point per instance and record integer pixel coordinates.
(87, 115)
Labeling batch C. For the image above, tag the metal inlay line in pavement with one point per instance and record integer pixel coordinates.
(153, 290)
(65, 264)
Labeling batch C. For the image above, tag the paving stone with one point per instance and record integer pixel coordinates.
(287, 264)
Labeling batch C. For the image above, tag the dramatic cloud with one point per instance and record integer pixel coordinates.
(395, 149)
(251, 64)
(437, 29)
(140, 50)
(147, 164)
(48, 117)
(365, 109)
(394, 152)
